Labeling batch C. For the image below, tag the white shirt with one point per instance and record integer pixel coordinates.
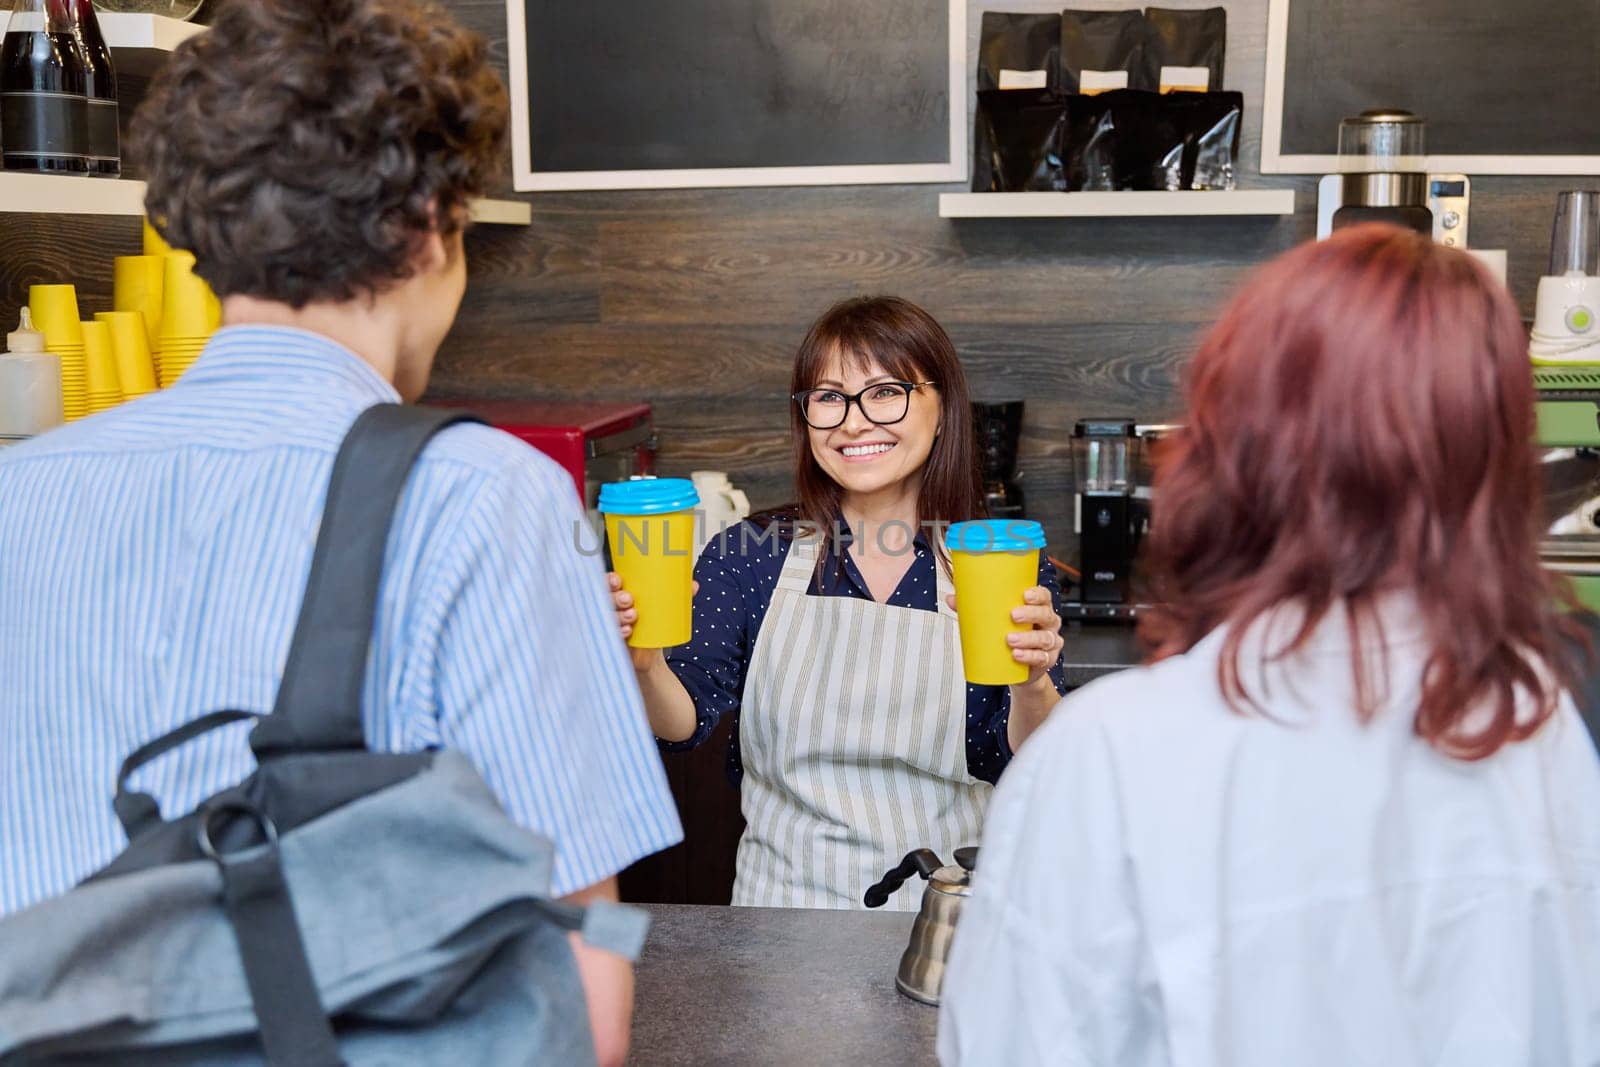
(1166, 881)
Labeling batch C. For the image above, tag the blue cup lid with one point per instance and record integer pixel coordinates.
(994, 535)
(648, 496)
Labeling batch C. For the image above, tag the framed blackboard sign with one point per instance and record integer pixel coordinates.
(1506, 87)
(637, 94)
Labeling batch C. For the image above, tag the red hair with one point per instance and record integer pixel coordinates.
(1360, 421)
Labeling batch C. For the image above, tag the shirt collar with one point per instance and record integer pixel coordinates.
(284, 354)
(842, 570)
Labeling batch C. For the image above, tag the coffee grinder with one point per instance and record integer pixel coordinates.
(999, 431)
(1112, 514)
(1383, 178)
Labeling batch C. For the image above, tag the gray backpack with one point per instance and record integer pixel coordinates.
(337, 906)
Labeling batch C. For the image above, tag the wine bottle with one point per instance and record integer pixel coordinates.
(100, 87)
(44, 112)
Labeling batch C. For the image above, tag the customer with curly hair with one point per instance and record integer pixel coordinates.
(1349, 813)
(317, 158)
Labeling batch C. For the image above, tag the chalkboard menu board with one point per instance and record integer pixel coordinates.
(614, 94)
(1506, 86)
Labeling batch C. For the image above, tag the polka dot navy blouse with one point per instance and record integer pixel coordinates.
(736, 588)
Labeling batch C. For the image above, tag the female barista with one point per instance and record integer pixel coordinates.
(858, 738)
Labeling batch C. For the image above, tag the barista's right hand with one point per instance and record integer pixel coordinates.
(627, 615)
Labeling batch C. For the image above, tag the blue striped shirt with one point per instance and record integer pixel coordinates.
(152, 561)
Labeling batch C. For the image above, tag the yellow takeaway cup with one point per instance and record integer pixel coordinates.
(993, 563)
(650, 535)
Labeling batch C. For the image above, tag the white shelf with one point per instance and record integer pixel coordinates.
(60, 194)
(1131, 204)
(140, 43)
(55, 194)
(154, 32)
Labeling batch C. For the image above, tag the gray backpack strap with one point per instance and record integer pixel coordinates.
(294, 1026)
(319, 698)
(318, 708)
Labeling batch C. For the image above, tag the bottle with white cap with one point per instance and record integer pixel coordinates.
(30, 385)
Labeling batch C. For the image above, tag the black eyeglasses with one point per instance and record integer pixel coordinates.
(883, 403)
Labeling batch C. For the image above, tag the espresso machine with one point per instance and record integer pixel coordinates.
(1383, 178)
(1112, 496)
(999, 431)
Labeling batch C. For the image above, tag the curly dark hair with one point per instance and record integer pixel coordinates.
(300, 147)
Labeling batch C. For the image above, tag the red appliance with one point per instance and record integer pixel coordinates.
(596, 443)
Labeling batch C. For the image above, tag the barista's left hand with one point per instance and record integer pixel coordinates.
(1040, 647)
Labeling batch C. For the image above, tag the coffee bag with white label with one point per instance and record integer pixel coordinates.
(1102, 51)
(1016, 53)
(1184, 50)
(1019, 51)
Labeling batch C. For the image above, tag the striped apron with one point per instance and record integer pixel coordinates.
(853, 736)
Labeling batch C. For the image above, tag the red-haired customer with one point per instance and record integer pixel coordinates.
(1347, 813)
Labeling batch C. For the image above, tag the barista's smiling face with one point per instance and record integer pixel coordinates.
(862, 456)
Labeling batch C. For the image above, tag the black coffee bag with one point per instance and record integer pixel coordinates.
(1150, 142)
(1019, 51)
(1024, 131)
(1184, 50)
(1090, 157)
(1210, 123)
(1102, 51)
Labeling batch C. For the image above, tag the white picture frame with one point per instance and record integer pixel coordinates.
(1274, 161)
(527, 180)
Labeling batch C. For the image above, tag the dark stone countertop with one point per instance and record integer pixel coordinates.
(1097, 648)
(776, 986)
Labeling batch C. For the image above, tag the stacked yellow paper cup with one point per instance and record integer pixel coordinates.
(136, 286)
(190, 313)
(136, 370)
(105, 387)
(54, 309)
(154, 245)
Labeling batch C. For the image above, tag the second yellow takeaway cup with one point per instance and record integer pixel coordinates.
(993, 562)
(650, 534)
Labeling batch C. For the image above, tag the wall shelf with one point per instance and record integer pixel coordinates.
(141, 44)
(155, 32)
(1131, 204)
(55, 194)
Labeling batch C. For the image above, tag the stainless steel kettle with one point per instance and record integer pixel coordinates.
(922, 965)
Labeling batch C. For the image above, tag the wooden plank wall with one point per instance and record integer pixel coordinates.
(694, 301)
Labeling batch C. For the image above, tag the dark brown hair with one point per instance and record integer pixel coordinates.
(299, 148)
(908, 343)
(1360, 422)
